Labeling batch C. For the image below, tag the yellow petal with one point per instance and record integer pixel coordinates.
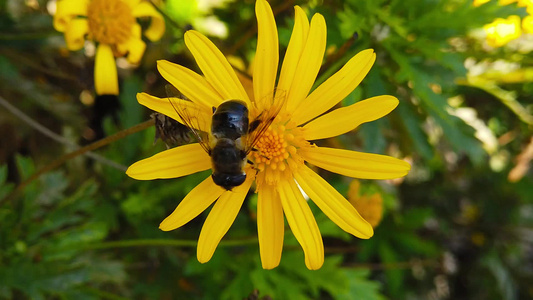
(75, 34)
(336, 88)
(134, 46)
(216, 68)
(356, 164)
(136, 49)
(67, 10)
(191, 84)
(266, 56)
(220, 219)
(202, 115)
(132, 3)
(332, 203)
(193, 204)
(270, 226)
(294, 50)
(172, 163)
(123, 48)
(527, 23)
(309, 63)
(157, 26)
(348, 118)
(105, 71)
(302, 223)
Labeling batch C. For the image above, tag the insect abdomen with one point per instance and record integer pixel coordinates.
(228, 162)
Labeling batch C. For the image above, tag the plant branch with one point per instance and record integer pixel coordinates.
(162, 242)
(56, 137)
(56, 163)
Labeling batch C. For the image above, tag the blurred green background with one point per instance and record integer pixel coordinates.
(459, 226)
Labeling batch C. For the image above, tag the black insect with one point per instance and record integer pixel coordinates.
(233, 133)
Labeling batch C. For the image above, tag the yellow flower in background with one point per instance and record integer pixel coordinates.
(506, 2)
(280, 170)
(112, 25)
(370, 206)
(527, 24)
(480, 2)
(502, 31)
(500, 2)
(520, 3)
(528, 4)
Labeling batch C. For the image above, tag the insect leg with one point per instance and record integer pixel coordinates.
(253, 125)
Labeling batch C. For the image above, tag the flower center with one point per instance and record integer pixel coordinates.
(110, 21)
(277, 150)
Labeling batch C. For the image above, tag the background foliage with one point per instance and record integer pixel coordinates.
(459, 226)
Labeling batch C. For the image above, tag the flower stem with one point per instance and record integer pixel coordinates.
(24, 36)
(163, 242)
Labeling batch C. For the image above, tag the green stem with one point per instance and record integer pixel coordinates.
(23, 36)
(166, 17)
(508, 98)
(164, 243)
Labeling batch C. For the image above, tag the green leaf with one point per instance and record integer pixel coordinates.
(330, 229)
(5, 187)
(414, 218)
(24, 166)
(455, 131)
(239, 286)
(411, 122)
(37, 280)
(360, 287)
(395, 277)
(410, 243)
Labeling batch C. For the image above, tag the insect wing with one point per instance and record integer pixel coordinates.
(266, 111)
(196, 118)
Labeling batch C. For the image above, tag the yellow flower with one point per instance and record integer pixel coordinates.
(500, 2)
(286, 143)
(506, 2)
(370, 206)
(112, 24)
(502, 31)
(527, 24)
(528, 4)
(480, 2)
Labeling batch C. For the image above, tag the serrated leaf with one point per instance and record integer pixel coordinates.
(240, 286)
(330, 277)
(360, 287)
(412, 125)
(455, 131)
